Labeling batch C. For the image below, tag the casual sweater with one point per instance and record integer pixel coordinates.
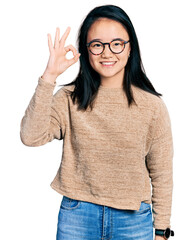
(113, 155)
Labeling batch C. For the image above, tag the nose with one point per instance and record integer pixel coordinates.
(107, 52)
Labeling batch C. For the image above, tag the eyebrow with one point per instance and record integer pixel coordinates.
(98, 39)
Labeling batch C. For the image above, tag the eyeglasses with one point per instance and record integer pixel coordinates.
(116, 46)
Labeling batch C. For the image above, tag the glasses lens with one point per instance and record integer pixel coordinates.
(117, 46)
(96, 47)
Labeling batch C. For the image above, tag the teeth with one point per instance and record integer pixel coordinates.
(108, 63)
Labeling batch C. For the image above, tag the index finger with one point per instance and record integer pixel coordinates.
(64, 37)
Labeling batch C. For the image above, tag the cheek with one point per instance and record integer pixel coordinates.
(124, 59)
(91, 60)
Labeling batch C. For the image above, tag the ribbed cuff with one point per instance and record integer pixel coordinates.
(42, 81)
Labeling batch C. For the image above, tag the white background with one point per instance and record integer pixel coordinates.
(28, 205)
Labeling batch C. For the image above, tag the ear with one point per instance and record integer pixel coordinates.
(129, 53)
(129, 50)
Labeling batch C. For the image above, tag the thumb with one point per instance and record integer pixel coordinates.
(74, 59)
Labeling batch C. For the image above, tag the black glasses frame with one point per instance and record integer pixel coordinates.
(108, 43)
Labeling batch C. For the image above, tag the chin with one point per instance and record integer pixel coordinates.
(111, 74)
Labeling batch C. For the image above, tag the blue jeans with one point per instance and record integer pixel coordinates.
(80, 220)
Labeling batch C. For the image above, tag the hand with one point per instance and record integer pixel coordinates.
(159, 238)
(58, 62)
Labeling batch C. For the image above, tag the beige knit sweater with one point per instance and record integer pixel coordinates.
(110, 153)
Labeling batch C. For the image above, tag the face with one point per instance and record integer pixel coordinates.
(108, 64)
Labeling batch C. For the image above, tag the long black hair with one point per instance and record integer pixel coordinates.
(87, 81)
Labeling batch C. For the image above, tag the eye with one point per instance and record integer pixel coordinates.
(117, 43)
(96, 45)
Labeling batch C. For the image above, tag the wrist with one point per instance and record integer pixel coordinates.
(166, 233)
(50, 78)
(160, 238)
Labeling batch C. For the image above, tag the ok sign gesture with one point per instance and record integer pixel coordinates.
(58, 62)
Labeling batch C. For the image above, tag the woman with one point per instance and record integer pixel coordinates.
(116, 131)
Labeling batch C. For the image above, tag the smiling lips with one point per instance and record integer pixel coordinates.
(109, 64)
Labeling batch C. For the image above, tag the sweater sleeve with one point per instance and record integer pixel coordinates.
(160, 166)
(41, 122)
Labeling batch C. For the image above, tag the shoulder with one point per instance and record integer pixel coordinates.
(69, 88)
(157, 107)
(148, 100)
(60, 98)
(64, 91)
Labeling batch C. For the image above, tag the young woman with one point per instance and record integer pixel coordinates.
(116, 131)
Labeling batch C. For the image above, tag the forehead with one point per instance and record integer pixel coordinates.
(107, 29)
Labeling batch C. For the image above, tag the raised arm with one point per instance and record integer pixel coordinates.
(43, 120)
